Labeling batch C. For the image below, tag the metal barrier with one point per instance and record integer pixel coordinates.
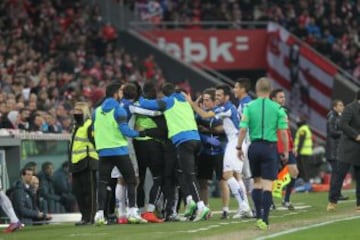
(19, 148)
(201, 25)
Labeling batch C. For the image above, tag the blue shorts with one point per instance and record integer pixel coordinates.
(263, 158)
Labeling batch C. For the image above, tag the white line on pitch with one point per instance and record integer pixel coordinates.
(306, 227)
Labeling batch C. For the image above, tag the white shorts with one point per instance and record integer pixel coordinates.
(231, 160)
(246, 172)
(115, 173)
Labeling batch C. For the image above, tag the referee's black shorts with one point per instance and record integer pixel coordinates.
(263, 158)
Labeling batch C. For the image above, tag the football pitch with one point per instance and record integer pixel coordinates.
(310, 220)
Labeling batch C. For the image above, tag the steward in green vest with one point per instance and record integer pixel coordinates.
(84, 163)
(303, 144)
(303, 140)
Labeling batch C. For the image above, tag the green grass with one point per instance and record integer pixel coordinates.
(349, 229)
(215, 228)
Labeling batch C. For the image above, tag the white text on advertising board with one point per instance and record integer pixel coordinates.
(212, 50)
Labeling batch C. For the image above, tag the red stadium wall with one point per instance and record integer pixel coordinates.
(216, 49)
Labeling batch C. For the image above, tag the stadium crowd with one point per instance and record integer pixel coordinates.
(53, 53)
(331, 27)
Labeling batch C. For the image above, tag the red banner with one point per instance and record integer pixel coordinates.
(306, 77)
(216, 49)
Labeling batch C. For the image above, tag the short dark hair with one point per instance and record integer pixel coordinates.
(149, 90)
(25, 169)
(112, 88)
(130, 91)
(65, 164)
(335, 102)
(226, 89)
(30, 165)
(275, 92)
(45, 166)
(167, 89)
(210, 92)
(245, 83)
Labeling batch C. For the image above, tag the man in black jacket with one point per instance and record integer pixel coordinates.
(62, 186)
(349, 151)
(23, 200)
(333, 133)
(47, 190)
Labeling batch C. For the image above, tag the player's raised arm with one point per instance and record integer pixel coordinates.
(197, 109)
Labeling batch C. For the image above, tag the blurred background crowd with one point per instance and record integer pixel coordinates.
(55, 52)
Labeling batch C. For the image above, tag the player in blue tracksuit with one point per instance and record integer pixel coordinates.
(213, 143)
(110, 130)
(183, 132)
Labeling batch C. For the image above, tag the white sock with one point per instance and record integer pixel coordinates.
(7, 207)
(243, 189)
(236, 190)
(120, 195)
(249, 184)
(200, 205)
(150, 208)
(142, 210)
(225, 209)
(189, 199)
(133, 211)
(100, 213)
(176, 201)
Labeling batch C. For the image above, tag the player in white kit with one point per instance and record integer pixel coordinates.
(232, 164)
(241, 92)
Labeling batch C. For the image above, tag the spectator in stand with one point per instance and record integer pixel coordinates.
(149, 65)
(62, 186)
(319, 23)
(33, 166)
(5, 121)
(24, 123)
(47, 189)
(38, 124)
(13, 117)
(47, 49)
(39, 202)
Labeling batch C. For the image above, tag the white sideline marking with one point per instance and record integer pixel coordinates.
(220, 224)
(306, 227)
(346, 201)
(280, 208)
(86, 234)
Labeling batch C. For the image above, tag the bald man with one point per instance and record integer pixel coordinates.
(263, 117)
